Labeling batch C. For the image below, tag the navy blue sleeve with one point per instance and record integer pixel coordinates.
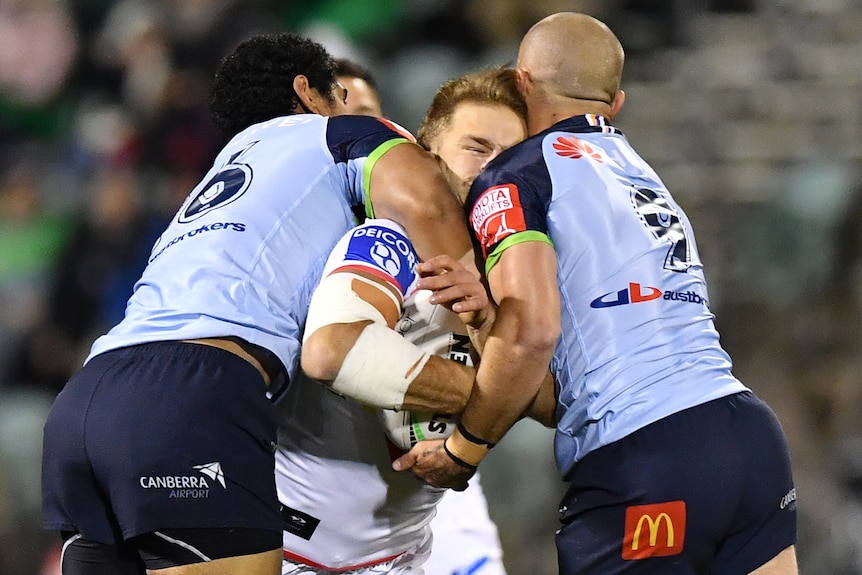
(510, 196)
(352, 137)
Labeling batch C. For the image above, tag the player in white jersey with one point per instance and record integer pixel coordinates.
(159, 453)
(343, 507)
(673, 465)
(471, 120)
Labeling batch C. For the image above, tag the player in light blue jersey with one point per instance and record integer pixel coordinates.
(159, 453)
(673, 465)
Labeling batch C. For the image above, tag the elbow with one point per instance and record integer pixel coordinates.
(540, 339)
(319, 358)
(533, 334)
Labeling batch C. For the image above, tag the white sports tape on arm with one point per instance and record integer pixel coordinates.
(334, 301)
(379, 368)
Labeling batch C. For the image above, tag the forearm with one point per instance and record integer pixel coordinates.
(443, 386)
(543, 408)
(520, 345)
(359, 364)
(511, 372)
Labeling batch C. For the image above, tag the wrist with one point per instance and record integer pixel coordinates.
(466, 448)
(456, 459)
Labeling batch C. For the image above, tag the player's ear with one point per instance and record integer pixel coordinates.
(522, 78)
(305, 94)
(617, 103)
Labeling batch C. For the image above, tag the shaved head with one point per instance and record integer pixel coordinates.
(574, 56)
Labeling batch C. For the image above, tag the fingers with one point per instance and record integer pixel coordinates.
(431, 465)
(472, 296)
(454, 285)
(456, 288)
(439, 265)
(406, 461)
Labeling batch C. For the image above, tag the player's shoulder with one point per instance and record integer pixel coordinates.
(521, 166)
(355, 127)
(383, 237)
(380, 247)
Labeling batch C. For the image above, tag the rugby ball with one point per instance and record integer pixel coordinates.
(406, 428)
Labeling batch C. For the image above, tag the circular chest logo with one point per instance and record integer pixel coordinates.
(223, 188)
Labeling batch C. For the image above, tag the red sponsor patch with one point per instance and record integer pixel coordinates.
(570, 147)
(656, 530)
(496, 215)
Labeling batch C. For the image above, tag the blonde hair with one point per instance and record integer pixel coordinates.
(490, 86)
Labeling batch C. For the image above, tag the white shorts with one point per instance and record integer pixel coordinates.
(408, 563)
(465, 539)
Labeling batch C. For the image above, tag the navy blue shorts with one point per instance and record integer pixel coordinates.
(159, 436)
(706, 490)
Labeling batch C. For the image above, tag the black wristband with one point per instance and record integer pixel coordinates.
(458, 460)
(472, 438)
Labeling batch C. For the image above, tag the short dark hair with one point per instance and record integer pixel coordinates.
(255, 82)
(490, 86)
(351, 69)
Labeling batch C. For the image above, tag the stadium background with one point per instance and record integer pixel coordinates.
(751, 110)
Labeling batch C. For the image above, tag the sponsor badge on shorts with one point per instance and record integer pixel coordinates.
(497, 214)
(656, 530)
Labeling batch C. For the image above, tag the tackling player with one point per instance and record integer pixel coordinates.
(159, 453)
(673, 465)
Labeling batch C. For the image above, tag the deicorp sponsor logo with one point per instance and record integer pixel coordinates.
(389, 251)
(187, 486)
(655, 530)
(637, 293)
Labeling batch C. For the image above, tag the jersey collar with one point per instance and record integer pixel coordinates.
(584, 123)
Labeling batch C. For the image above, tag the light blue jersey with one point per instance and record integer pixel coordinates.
(247, 248)
(638, 341)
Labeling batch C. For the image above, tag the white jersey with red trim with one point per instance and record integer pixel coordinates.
(343, 507)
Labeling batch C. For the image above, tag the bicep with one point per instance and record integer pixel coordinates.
(407, 186)
(527, 272)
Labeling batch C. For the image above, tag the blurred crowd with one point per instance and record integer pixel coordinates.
(104, 129)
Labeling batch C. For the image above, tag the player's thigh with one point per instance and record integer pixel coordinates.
(656, 501)
(763, 525)
(782, 564)
(266, 563)
(218, 550)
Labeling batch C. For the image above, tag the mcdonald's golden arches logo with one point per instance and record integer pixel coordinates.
(655, 530)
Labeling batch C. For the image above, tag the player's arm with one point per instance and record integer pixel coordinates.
(351, 347)
(543, 408)
(514, 365)
(407, 186)
(521, 342)
(453, 287)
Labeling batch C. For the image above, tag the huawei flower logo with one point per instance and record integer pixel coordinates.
(569, 147)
